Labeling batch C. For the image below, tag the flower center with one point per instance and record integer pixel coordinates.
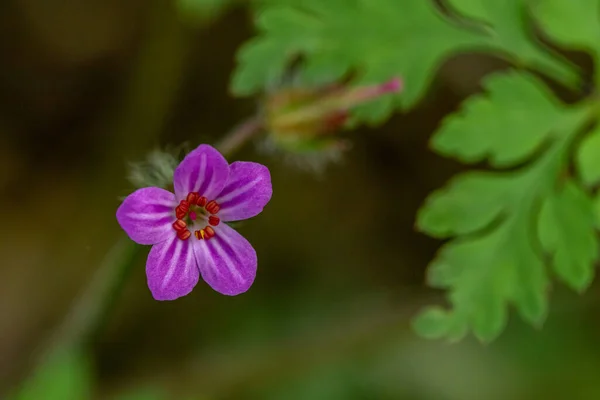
(196, 211)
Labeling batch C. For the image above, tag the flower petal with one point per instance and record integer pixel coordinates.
(227, 261)
(247, 192)
(204, 170)
(171, 269)
(146, 215)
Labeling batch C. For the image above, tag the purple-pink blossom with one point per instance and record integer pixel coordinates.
(187, 230)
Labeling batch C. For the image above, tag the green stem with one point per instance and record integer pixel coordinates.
(240, 135)
(90, 312)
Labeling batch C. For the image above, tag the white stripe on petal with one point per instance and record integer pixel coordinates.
(231, 263)
(173, 261)
(161, 229)
(201, 172)
(146, 215)
(190, 261)
(170, 269)
(209, 261)
(170, 204)
(234, 193)
(150, 216)
(227, 261)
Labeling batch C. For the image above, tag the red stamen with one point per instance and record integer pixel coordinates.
(208, 232)
(214, 220)
(192, 197)
(201, 201)
(198, 235)
(184, 234)
(184, 205)
(180, 213)
(179, 225)
(213, 207)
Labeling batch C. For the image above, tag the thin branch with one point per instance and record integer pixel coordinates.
(91, 311)
(240, 135)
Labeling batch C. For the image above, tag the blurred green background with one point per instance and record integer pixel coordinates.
(88, 87)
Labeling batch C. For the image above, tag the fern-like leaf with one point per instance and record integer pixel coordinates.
(378, 39)
(510, 32)
(495, 258)
(505, 127)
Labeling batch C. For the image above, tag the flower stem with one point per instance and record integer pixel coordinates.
(90, 312)
(240, 135)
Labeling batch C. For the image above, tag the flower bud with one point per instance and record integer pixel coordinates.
(302, 122)
(310, 113)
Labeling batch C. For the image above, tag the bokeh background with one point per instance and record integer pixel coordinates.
(88, 87)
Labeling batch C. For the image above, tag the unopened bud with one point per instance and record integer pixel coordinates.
(310, 113)
(302, 122)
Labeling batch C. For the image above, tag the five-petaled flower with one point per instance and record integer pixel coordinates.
(187, 229)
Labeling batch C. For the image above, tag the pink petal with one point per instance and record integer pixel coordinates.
(227, 261)
(247, 192)
(171, 269)
(204, 170)
(146, 215)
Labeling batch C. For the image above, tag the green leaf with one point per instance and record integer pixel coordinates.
(588, 158)
(471, 202)
(571, 23)
(376, 38)
(507, 125)
(512, 34)
(65, 375)
(492, 260)
(486, 273)
(379, 39)
(567, 231)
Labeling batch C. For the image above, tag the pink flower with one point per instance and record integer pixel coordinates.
(187, 229)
